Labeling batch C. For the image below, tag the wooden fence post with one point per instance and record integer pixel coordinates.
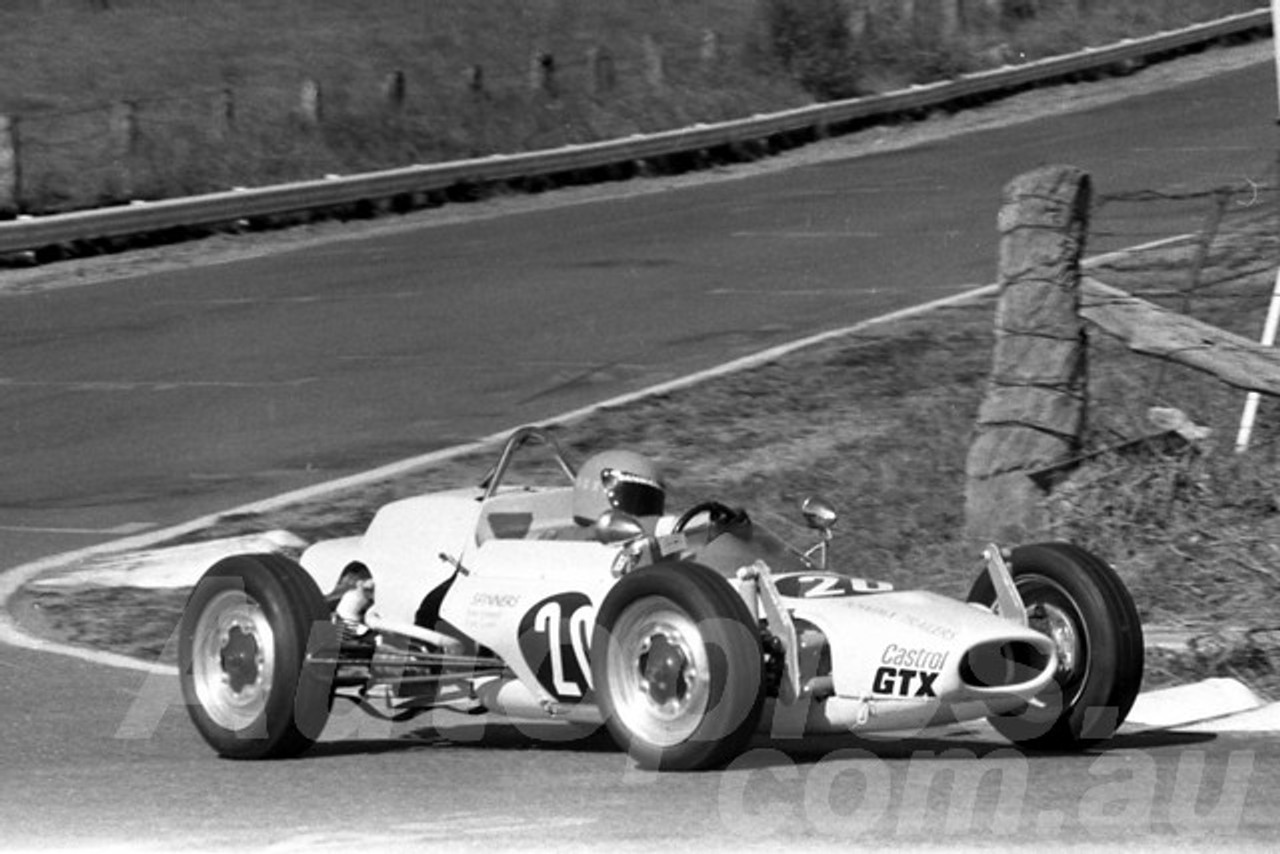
(311, 103)
(222, 114)
(8, 166)
(655, 72)
(858, 19)
(602, 76)
(1033, 415)
(473, 76)
(394, 90)
(709, 50)
(542, 74)
(952, 15)
(122, 124)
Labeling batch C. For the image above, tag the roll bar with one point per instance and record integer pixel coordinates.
(522, 436)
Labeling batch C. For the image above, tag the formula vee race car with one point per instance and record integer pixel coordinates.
(683, 634)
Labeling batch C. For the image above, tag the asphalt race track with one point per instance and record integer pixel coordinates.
(127, 770)
(144, 402)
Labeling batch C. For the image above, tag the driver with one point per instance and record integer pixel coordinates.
(618, 480)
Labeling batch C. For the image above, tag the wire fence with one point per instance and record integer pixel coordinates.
(1211, 253)
(209, 140)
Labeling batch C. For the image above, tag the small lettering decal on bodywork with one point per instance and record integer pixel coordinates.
(899, 682)
(902, 656)
(495, 600)
(872, 605)
(826, 585)
(927, 626)
(910, 671)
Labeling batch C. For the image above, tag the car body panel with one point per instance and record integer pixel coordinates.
(534, 604)
(406, 549)
(896, 657)
(507, 571)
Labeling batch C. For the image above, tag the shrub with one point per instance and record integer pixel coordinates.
(811, 41)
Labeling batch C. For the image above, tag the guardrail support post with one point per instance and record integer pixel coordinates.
(1033, 415)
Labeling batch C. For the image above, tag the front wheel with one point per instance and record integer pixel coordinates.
(676, 664)
(1077, 600)
(245, 641)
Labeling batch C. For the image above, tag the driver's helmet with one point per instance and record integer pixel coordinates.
(621, 480)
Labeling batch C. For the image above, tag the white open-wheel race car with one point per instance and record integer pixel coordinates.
(683, 634)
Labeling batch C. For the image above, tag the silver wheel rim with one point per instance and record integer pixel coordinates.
(1052, 611)
(233, 659)
(658, 672)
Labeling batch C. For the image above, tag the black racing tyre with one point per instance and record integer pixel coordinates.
(243, 648)
(1076, 599)
(676, 667)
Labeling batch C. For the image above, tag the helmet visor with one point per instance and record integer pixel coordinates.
(632, 493)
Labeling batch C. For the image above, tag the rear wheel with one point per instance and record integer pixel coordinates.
(243, 652)
(1077, 600)
(676, 664)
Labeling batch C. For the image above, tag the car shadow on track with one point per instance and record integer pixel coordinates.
(566, 738)
(963, 744)
(483, 735)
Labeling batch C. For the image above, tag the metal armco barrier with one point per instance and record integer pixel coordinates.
(143, 217)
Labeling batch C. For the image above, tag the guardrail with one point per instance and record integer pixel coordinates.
(29, 233)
